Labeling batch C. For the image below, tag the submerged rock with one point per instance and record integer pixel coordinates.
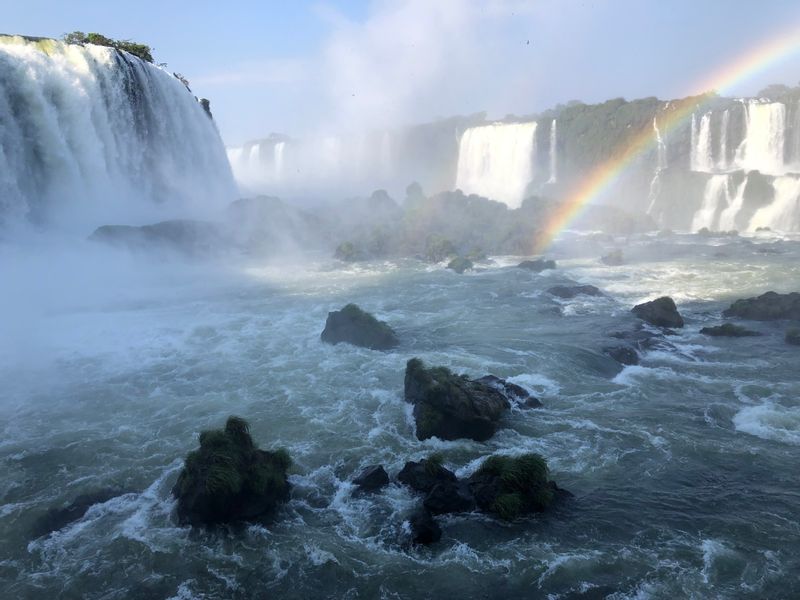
(518, 394)
(424, 529)
(660, 312)
(229, 479)
(793, 336)
(58, 518)
(425, 474)
(372, 478)
(460, 264)
(449, 497)
(770, 306)
(570, 291)
(613, 259)
(623, 354)
(728, 330)
(450, 406)
(355, 326)
(538, 265)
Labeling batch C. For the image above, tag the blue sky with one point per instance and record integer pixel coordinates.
(300, 67)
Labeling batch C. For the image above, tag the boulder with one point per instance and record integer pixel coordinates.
(728, 330)
(425, 474)
(355, 326)
(229, 479)
(516, 393)
(58, 518)
(538, 265)
(460, 264)
(793, 336)
(372, 478)
(570, 291)
(613, 259)
(450, 406)
(660, 312)
(424, 529)
(347, 252)
(449, 497)
(194, 238)
(625, 355)
(767, 307)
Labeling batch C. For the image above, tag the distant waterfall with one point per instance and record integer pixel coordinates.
(278, 151)
(716, 198)
(496, 161)
(89, 134)
(701, 158)
(763, 146)
(727, 218)
(784, 209)
(553, 153)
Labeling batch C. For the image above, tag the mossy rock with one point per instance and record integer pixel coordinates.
(770, 306)
(347, 252)
(460, 264)
(728, 330)
(229, 479)
(438, 248)
(355, 326)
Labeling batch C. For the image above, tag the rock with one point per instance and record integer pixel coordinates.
(460, 264)
(767, 307)
(516, 393)
(793, 336)
(194, 238)
(438, 248)
(372, 478)
(450, 406)
(622, 354)
(660, 312)
(570, 291)
(728, 330)
(424, 475)
(613, 258)
(354, 326)
(538, 265)
(449, 497)
(424, 529)
(347, 252)
(58, 518)
(229, 479)
(509, 487)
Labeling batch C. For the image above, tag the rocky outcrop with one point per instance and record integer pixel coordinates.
(372, 478)
(570, 291)
(517, 394)
(767, 307)
(58, 518)
(538, 265)
(229, 479)
(728, 330)
(450, 406)
(355, 326)
(423, 528)
(625, 355)
(425, 474)
(460, 264)
(660, 312)
(195, 238)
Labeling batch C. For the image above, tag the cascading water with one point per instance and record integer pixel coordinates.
(716, 198)
(727, 218)
(496, 161)
(701, 159)
(784, 209)
(722, 160)
(661, 164)
(92, 135)
(553, 153)
(763, 146)
(278, 151)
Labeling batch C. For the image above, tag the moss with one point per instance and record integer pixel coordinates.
(508, 506)
(523, 484)
(433, 463)
(428, 420)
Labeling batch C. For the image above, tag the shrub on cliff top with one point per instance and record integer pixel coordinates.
(141, 50)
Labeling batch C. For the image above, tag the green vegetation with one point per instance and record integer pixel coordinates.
(523, 484)
(460, 264)
(141, 50)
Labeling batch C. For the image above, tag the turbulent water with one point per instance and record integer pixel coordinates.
(683, 468)
(87, 130)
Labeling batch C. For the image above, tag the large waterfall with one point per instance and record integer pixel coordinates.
(497, 161)
(89, 134)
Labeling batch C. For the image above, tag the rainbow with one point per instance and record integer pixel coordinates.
(602, 177)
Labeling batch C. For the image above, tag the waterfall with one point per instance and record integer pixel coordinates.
(763, 146)
(661, 164)
(496, 161)
(727, 218)
(277, 151)
(553, 153)
(783, 213)
(722, 161)
(701, 144)
(716, 198)
(92, 135)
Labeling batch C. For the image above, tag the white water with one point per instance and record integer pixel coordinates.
(553, 153)
(762, 148)
(715, 199)
(722, 160)
(784, 209)
(701, 159)
(727, 219)
(278, 152)
(90, 136)
(496, 161)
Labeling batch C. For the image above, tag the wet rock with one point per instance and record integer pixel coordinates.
(538, 265)
(622, 354)
(570, 291)
(347, 252)
(793, 336)
(460, 264)
(355, 326)
(449, 497)
(767, 307)
(58, 518)
(425, 474)
(513, 392)
(728, 330)
(424, 529)
(229, 479)
(660, 312)
(372, 478)
(450, 406)
(194, 238)
(613, 259)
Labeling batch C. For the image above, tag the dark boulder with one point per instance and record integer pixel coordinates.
(450, 406)
(570, 291)
(424, 475)
(793, 336)
(613, 259)
(622, 354)
(513, 392)
(449, 497)
(355, 326)
(728, 330)
(538, 265)
(58, 518)
(229, 479)
(194, 238)
(460, 264)
(660, 312)
(347, 252)
(767, 307)
(424, 529)
(372, 478)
